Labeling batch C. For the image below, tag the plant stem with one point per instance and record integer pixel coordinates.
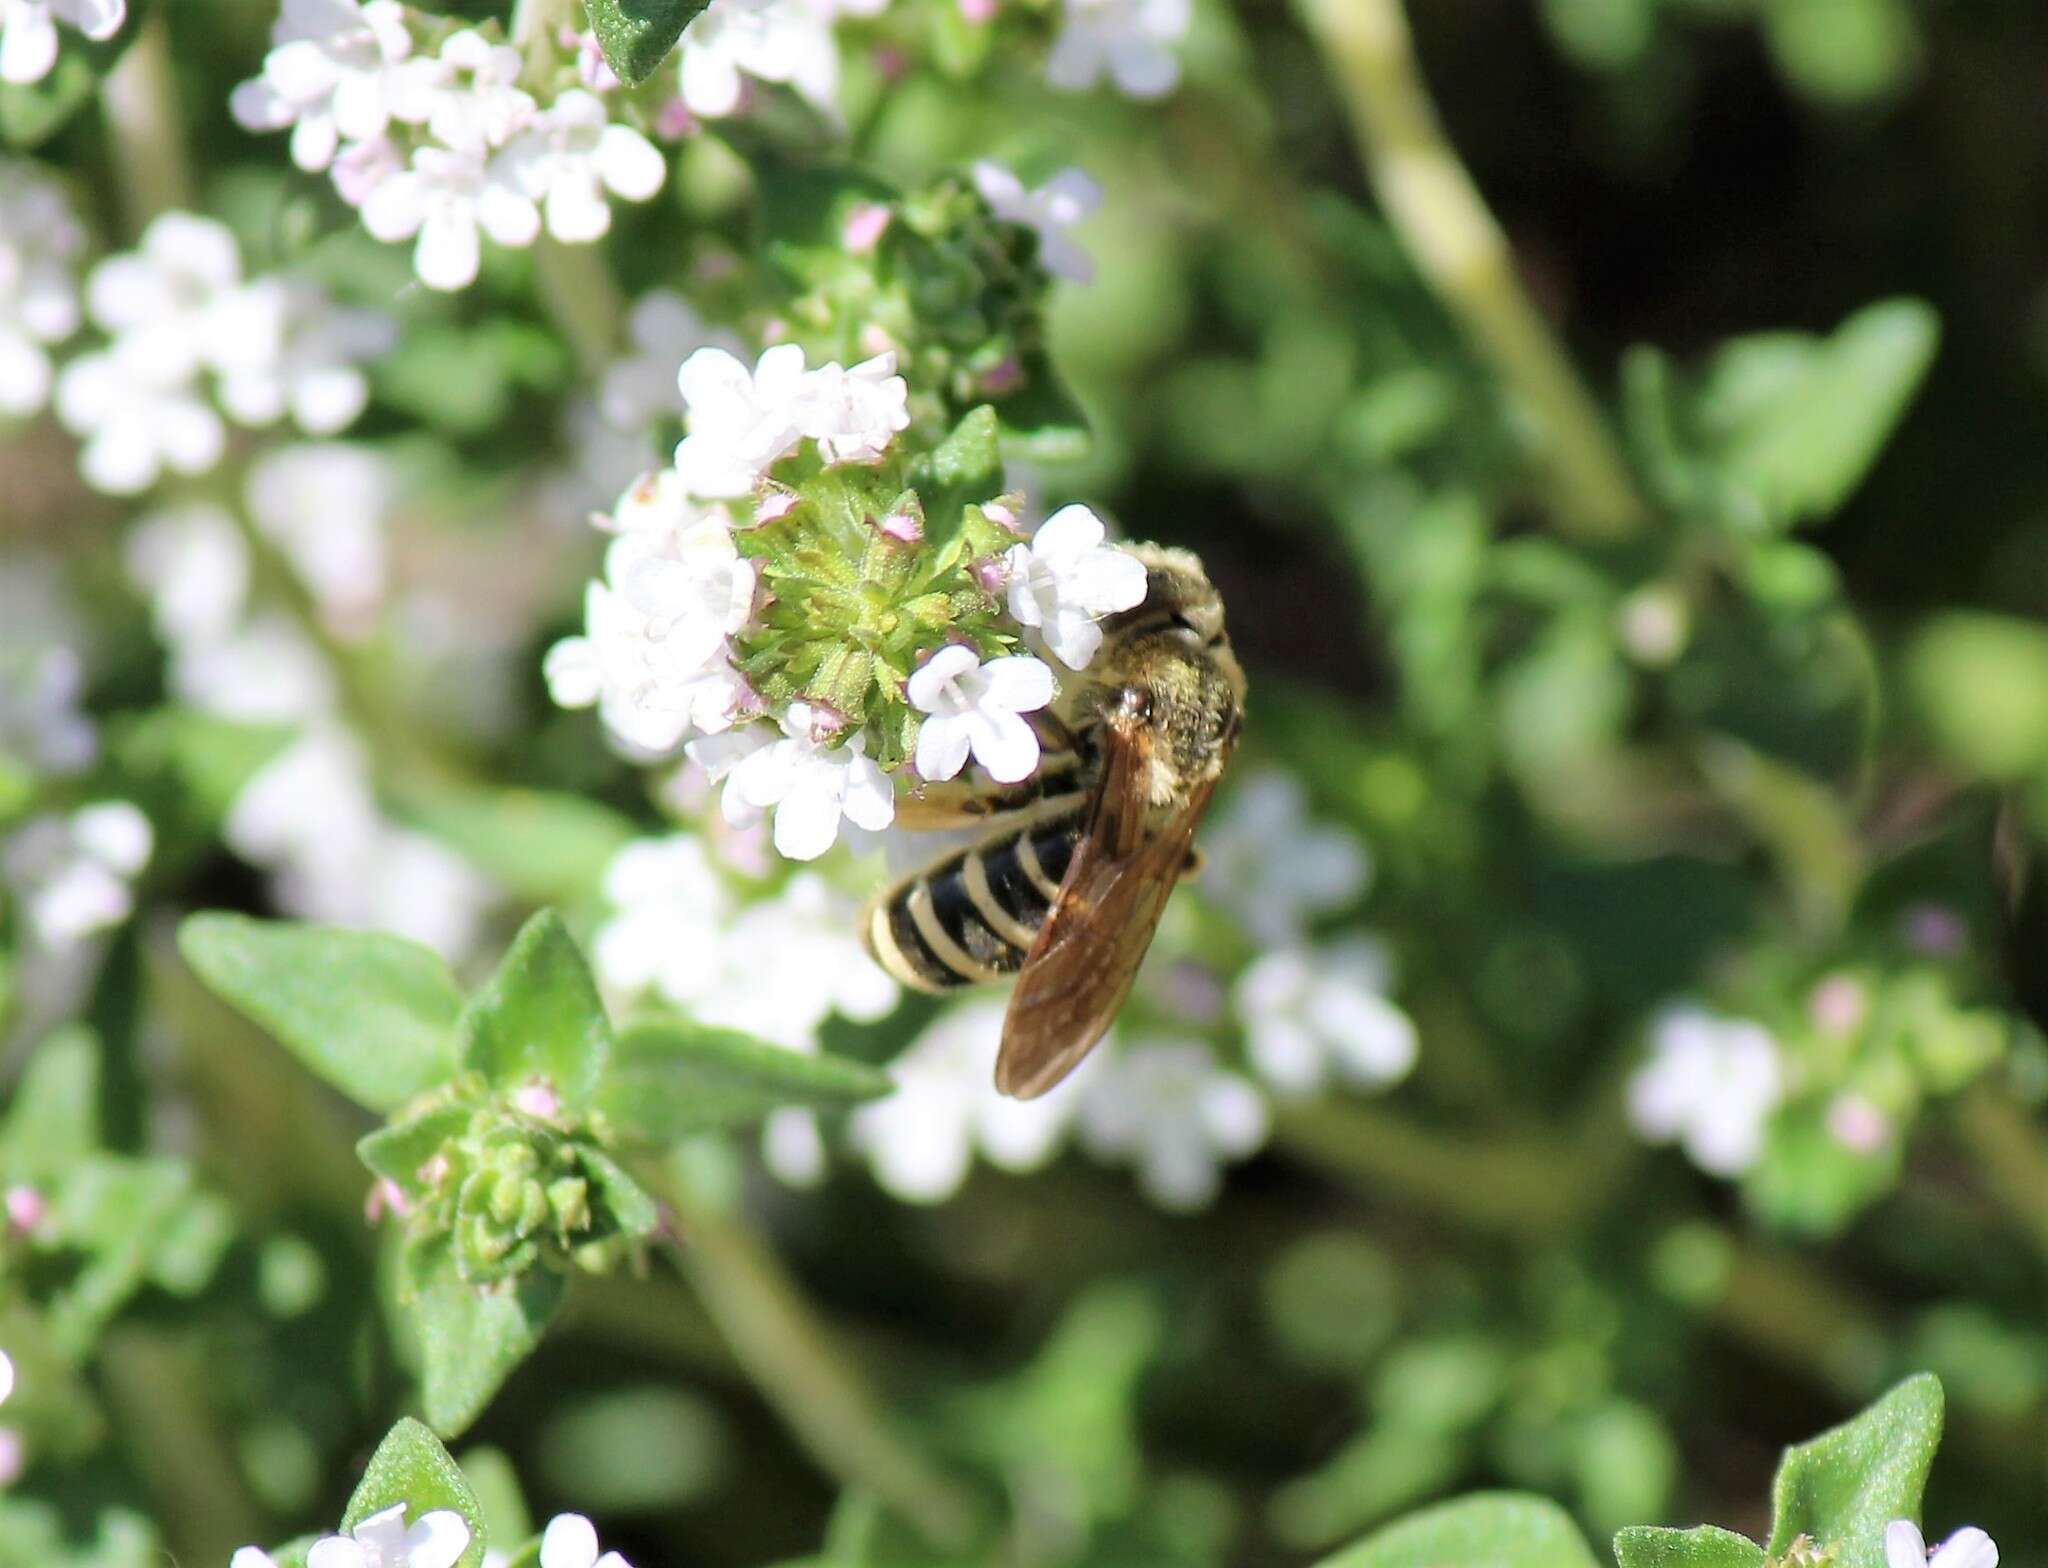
(580, 296)
(779, 1342)
(139, 99)
(534, 26)
(1454, 240)
(2011, 1155)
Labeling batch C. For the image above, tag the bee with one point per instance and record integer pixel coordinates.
(1066, 883)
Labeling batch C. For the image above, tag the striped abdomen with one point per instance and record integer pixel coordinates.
(973, 915)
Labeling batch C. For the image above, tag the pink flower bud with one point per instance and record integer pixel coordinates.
(1002, 511)
(776, 503)
(1838, 1005)
(992, 573)
(979, 11)
(906, 526)
(434, 1172)
(26, 1208)
(1935, 930)
(1003, 378)
(864, 227)
(890, 63)
(673, 121)
(13, 1456)
(1857, 1124)
(384, 1198)
(537, 1098)
(876, 340)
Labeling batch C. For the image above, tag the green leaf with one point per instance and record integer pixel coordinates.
(411, 1467)
(965, 468)
(1798, 424)
(207, 757)
(1041, 421)
(397, 1152)
(636, 35)
(1649, 1546)
(624, 1198)
(671, 1079)
(472, 1337)
(55, 1118)
(1846, 1485)
(1491, 1530)
(372, 1014)
(1979, 683)
(539, 1016)
(541, 846)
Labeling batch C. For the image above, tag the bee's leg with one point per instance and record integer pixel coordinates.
(1191, 867)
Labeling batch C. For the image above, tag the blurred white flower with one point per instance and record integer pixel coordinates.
(969, 705)
(1711, 1084)
(810, 786)
(1271, 868)
(1130, 41)
(854, 414)
(324, 505)
(1049, 211)
(384, 1540)
(73, 874)
(1168, 1110)
(6, 1377)
(192, 563)
(740, 421)
(444, 197)
(28, 32)
(571, 155)
(921, 1139)
(1312, 1014)
(782, 41)
(643, 387)
(652, 656)
(40, 685)
(337, 70)
(822, 969)
(477, 103)
(135, 421)
(570, 1541)
(1969, 1547)
(40, 238)
(163, 301)
(668, 908)
(293, 350)
(1067, 579)
(264, 671)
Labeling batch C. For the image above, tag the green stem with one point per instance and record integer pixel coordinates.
(580, 296)
(1443, 221)
(2011, 1151)
(534, 26)
(139, 99)
(777, 1339)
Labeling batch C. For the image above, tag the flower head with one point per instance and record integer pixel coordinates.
(1711, 1084)
(1969, 1547)
(1271, 868)
(338, 70)
(384, 1540)
(1067, 579)
(1309, 1014)
(809, 786)
(971, 706)
(854, 414)
(570, 1541)
(1049, 211)
(445, 197)
(74, 874)
(783, 41)
(1166, 1108)
(28, 32)
(39, 239)
(571, 155)
(1129, 41)
(643, 387)
(740, 421)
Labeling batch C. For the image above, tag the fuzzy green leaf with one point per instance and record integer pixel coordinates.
(397, 1152)
(539, 1016)
(1649, 1546)
(1843, 1487)
(670, 1079)
(55, 1118)
(411, 1467)
(540, 845)
(1492, 1530)
(372, 1014)
(636, 35)
(472, 1337)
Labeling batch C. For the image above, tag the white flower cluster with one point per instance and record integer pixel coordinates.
(1969, 1547)
(1129, 41)
(28, 32)
(1049, 211)
(732, 43)
(310, 815)
(1711, 1085)
(177, 309)
(42, 676)
(40, 240)
(74, 874)
(679, 930)
(437, 1539)
(446, 147)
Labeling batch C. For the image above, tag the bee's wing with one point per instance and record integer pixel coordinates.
(1080, 969)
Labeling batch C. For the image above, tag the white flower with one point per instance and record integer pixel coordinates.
(771, 40)
(39, 237)
(1066, 579)
(6, 1377)
(324, 506)
(193, 564)
(73, 874)
(653, 655)
(1166, 1108)
(921, 1139)
(571, 155)
(28, 32)
(1969, 1547)
(1307, 1013)
(1049, 212)
(265, 671)
(740, 422)
(288, 348)
(644, 387)
(163, 299)
(854, 414)
(974, 706)
(445, 197)
(337, 69)
(1712, 1084)
(1271, 868)
(41, 676)
(810, 787)
(670, 907)
(487, 109)
(1129, 40)
(384, 1540)
(135, 421)
(570, 1541)
(821, 969)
